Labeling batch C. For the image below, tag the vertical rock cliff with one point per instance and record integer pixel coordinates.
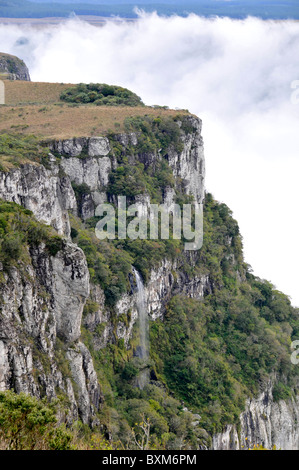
(48, 195)
(41, 312)
(69, 306)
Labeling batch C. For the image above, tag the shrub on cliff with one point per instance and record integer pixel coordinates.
(27, 423)
(155, 133)
(101, 94)
(16, 149)
(19, 229)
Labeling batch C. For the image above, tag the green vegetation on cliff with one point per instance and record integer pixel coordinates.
(17, 149)
(19, 230)
(207, 355)
(210, 354)
(217, 352)
(110, 261)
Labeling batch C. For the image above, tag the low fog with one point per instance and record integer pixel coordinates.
(237, 76)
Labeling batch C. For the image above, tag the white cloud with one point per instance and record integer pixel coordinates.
(235, 75)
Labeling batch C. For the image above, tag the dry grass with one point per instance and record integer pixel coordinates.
(66, 121)
(34, 108)
(19, 92)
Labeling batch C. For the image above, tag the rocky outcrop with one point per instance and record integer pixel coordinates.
(93, 173)
(89, 161)
(13, 68)
(109, 326)
(43, 191)
(41, 311)
(168, 280)
(78, 147)
(189, 165)
(86, 162)
(85, 377)
(265, 422)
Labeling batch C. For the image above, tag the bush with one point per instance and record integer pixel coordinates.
(155, 133)
(101, 94)
(54, 244)
(11, 247)
(108, 265)
(127, 181)
(19, 229)
(130, 371)
(281, 392)
(18, 148)
(27, 423)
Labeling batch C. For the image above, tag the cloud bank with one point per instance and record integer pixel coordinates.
(235, 75)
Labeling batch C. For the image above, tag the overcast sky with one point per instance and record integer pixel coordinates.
(236, 76)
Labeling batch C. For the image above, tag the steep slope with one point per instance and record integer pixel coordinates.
(44, 285)
(69, 313)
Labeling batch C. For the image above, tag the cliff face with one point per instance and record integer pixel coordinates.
(89, 161)
(264, 423)
(13, 68)
(43, 191)
(50, 300)
(41, 308)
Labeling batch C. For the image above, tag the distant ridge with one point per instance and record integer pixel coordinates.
(13, 68)
(239, 9)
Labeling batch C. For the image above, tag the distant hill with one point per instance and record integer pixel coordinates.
(265, 9)
(13, 68)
